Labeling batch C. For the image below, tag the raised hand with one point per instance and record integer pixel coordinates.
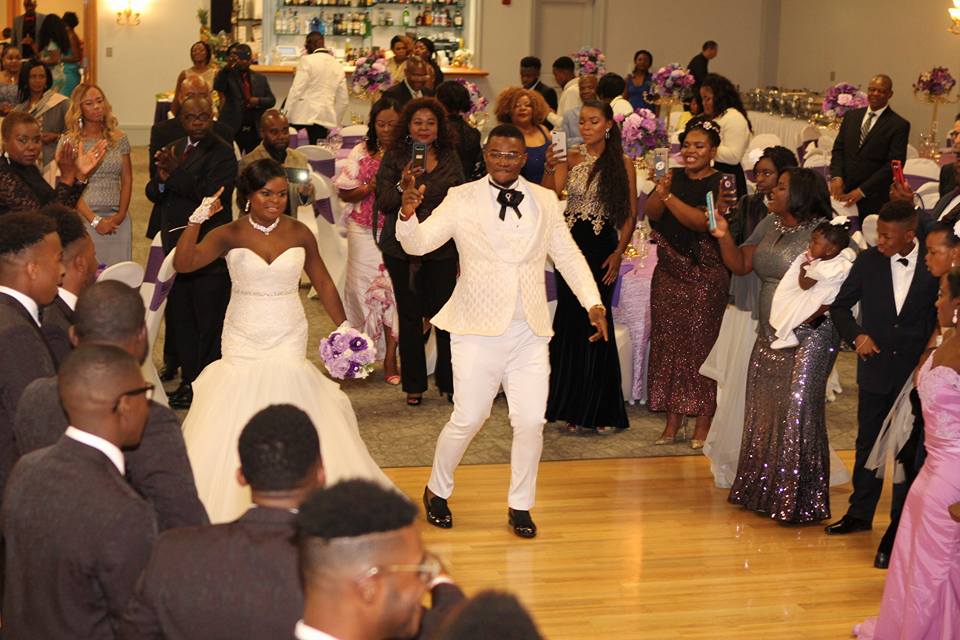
(87, 162)
(723, 227)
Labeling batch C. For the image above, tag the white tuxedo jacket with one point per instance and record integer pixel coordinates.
(318, 94)
(485, 298)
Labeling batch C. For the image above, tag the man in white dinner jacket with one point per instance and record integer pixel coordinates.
(504, 228)
(318, 96)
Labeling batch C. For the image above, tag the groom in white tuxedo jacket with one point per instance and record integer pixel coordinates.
(504, 228)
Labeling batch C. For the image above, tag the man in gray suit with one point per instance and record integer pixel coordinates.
(237, 580)
(76, 535)
(112, 313)
(26, 28)
(30, 271)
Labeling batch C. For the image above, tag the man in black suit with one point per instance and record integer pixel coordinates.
(868, 140)
(530, 79)
(26, 29)
(76, 535)
(237, 580)
(896, 293)
(158, 468)
(30, 270)
(188, 170)
(245, 95)
(700, 63)
(414, 83)
(80, 271)
(364, 567)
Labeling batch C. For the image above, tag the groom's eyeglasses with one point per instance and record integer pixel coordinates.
(146, 390)
(428, 569)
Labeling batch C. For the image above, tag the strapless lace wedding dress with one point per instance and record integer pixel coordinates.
(264, 362)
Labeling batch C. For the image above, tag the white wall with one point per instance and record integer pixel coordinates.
(144, 60)
(866, 37)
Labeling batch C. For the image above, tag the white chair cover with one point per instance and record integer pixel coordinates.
(924, 167)
(129, 273)
(331, 236)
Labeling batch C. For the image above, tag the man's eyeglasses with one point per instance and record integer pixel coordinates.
(203, 117)
(146, 390)
(511, 156)
(426, 571)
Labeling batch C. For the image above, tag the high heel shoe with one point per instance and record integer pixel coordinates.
(679, 436)
(696, 445)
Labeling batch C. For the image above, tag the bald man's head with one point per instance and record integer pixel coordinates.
(196, 116)
(275, 130)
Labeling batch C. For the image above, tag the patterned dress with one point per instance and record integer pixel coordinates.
(784, 467)
(585, 386)
(103, 198)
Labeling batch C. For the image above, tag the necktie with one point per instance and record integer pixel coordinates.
(508, 198)
(904, 262)
(865, 128)
(187, 149)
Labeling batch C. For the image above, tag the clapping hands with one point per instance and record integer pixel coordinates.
(74, 163)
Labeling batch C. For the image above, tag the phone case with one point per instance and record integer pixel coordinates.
(711, 212)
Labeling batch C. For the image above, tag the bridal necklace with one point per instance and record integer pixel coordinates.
(265, 230)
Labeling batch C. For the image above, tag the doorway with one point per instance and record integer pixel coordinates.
(86, 11)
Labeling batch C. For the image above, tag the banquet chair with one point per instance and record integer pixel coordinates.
(760, 141)
(922, 167)
(819, 161)
(297, 138)
(928, 193)
(912, 152)
(323, 219)
(809, 139)
(129, 273)
(320, 158)
(158, 280)
(352, 135)
(869, 229)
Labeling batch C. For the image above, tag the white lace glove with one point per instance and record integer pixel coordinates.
(208, 207)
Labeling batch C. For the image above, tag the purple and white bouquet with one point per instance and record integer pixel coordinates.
(590, 60)
(477, 102)
(934, 85)
(641, 132)
(671, 81)
(370, 76)
(348, 353)
(840, 98)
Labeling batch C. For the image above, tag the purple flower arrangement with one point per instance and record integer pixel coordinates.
(590, 60)
(477, 102)
(370, 76)
(670, 81)
(934, 85)
(348, 353)
(840, 98)
(641, 132)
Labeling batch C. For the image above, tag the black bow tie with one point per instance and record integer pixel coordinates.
(508, 198)
(904, 262)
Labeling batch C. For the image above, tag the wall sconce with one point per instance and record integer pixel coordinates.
(128, 12)
(954, 12)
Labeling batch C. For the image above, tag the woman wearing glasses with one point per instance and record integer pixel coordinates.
(264, 342)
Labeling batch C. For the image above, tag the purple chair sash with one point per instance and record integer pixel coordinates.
(349, 142)
(323, 208)
(299, 138)
(160, 293)
(324, 167)
(916, 182)
(154, 261)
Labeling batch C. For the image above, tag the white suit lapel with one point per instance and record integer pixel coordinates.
(542, 206)
(488, 221)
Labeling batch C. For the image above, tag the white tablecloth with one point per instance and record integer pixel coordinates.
(789, 130)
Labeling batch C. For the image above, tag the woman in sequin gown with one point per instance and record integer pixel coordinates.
(784, 467)
(585, 386)
(920, 597)
(689, 288)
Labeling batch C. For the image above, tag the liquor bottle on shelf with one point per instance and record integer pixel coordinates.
(405, 20)
(458, 19)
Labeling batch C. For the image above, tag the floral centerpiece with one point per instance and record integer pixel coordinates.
(348, 353)
(669, 83)
(933, 86)
(370, 77)
(476, 116)
(641, 132)
(590, 60)
(841, 98)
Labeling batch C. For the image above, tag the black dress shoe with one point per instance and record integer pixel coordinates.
(522, 523)
(438, 513)
(882, 560)
(182, 398)
(167, 373)
(847, 524)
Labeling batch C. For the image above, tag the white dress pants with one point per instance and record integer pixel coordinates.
(520, 360)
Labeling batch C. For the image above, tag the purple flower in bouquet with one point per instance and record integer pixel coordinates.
(348, 353)
(477, 102)
(370, 76)
(934, 84)
(670, 81)
(841, 98)
(590, 60)
(641, 132)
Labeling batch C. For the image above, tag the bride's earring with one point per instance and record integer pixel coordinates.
(246, 207)
(956, 311)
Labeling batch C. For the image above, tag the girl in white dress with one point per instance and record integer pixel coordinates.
(264, 343)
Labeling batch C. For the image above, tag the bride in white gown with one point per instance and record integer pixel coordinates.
(264, 344)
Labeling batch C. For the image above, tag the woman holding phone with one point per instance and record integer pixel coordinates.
(421, 153)
(688, 269)
(585, 390)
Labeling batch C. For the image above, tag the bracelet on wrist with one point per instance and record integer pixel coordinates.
(666, 198)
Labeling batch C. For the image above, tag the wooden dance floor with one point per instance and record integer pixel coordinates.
(649, 548)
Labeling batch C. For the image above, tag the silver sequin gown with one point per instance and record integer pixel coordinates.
(784, 467)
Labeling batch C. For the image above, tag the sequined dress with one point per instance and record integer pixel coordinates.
(585, 386)
(784, 466)
(687, 299)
